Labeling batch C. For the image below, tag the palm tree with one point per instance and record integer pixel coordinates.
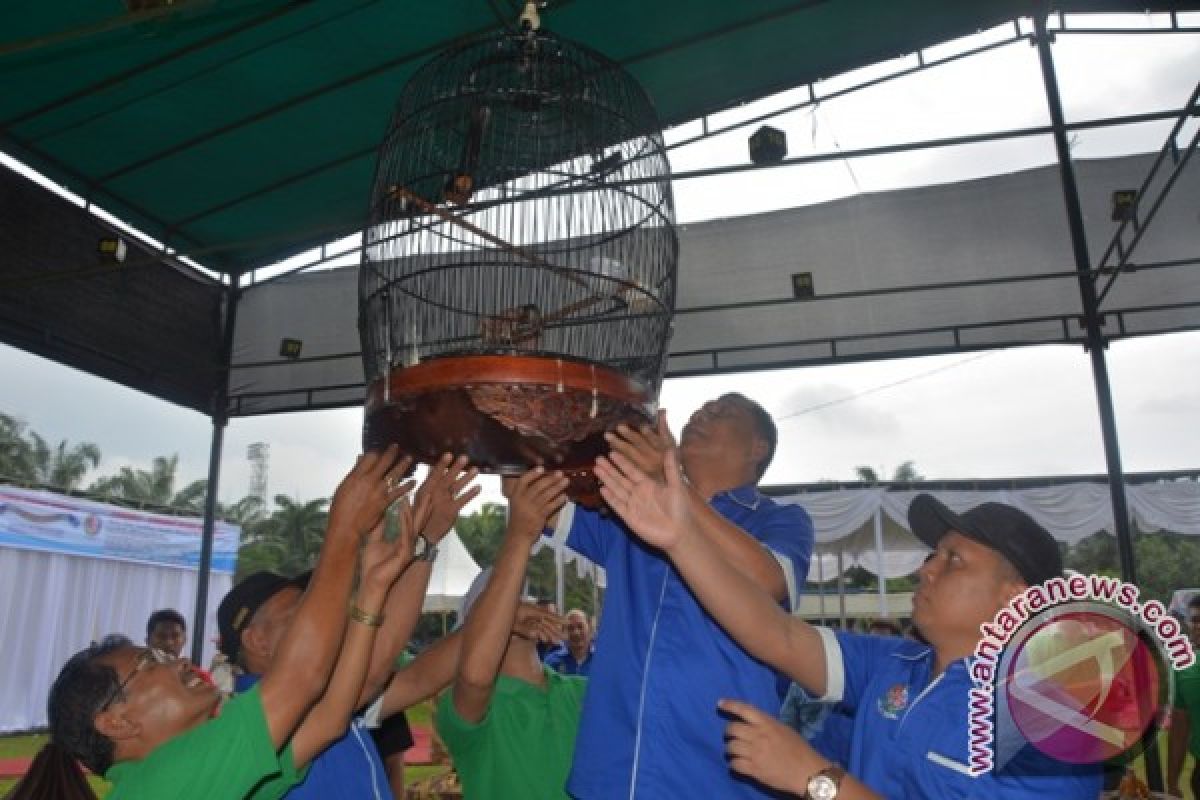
(16, 453)
(905, 473)
(287, 541)
(26, 456)
(63, 467)
(155, 486)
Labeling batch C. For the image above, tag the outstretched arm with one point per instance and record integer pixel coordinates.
(438, 501)
(661, 513)
(645, 448)
(301, 667)
(433, 670)
(382, 563)
(533, 497)
(760, 746)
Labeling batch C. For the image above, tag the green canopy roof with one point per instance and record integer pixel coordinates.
(243, 131)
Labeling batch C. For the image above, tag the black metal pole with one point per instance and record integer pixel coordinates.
(1087, 290)
(220, 418)
(1095, 338)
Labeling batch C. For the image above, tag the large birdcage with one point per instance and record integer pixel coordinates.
(519, 268)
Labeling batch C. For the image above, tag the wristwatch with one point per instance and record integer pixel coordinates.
(423, 550)
(825, 784)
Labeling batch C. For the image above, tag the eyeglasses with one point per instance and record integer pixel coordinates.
(146, 658)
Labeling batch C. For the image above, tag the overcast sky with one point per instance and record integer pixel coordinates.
(1021, 412)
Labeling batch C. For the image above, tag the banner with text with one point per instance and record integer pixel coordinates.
(37, 520)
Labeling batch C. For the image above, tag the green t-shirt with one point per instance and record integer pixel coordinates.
(523, 747)
(1187, 697)
(226, 758)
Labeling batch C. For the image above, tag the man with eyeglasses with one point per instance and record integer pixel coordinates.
(1184, 736)
(650, 726)
(151, 725)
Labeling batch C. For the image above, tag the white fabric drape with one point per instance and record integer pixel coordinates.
(844, 519)
(53, 605)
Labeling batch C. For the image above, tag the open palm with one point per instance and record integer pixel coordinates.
(658, 512)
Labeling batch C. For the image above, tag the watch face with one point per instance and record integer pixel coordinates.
(420, 547)
(822, 787)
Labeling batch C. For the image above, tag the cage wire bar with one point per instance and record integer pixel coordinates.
(465, 254)
(499, 319)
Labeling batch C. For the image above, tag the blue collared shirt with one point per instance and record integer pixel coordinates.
(562, 661)
(910, 731)
(350, 768)
(650, 725)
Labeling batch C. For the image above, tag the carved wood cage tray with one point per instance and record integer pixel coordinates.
(519, 266)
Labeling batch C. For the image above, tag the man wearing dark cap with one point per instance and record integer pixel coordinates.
(254, 617)
(909, 699)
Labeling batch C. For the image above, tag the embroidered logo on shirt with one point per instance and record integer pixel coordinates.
(895, 701)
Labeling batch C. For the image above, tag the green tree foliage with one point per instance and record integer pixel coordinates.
(287, 541)
(1164, 561)
(155, 486)
(27, 457)
(482, 532)
(905, 473)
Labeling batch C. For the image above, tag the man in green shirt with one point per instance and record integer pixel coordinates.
(1185, 733)
(149, 722)
(508, 721)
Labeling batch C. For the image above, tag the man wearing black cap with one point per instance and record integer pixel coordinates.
(256, 614)
(909, 699)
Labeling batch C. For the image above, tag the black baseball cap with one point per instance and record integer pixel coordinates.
(1009, 531)
(242, 601)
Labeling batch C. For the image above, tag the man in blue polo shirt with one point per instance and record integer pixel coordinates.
(573, 656)
(650, 725)
(909, 699)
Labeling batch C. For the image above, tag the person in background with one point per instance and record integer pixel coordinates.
(574, 656)
(1184, 736)
(166, 630)
(154, 729)
(508, 720)
(910, 701)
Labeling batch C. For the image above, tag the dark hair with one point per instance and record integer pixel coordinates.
(764, 426)
(165, 615)
(1194, 602)
(82, 686)
(53, 775)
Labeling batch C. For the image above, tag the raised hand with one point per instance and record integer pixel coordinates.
(533, 498)
(658, 512)
(763, 748)
(442, 496)
(644, 446)
(539, 625)
(381, 562)
(367, 490)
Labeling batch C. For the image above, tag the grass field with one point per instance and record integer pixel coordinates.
(27, 746)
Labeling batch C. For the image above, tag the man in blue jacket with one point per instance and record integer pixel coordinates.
(651, 728)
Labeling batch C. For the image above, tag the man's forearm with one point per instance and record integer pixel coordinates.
(487, 628)
(330, 717)
(401, 611)
(427, 675)
(311, 646)
(748, 614)
(740, 549)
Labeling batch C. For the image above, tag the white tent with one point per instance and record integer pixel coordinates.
(453, 572)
